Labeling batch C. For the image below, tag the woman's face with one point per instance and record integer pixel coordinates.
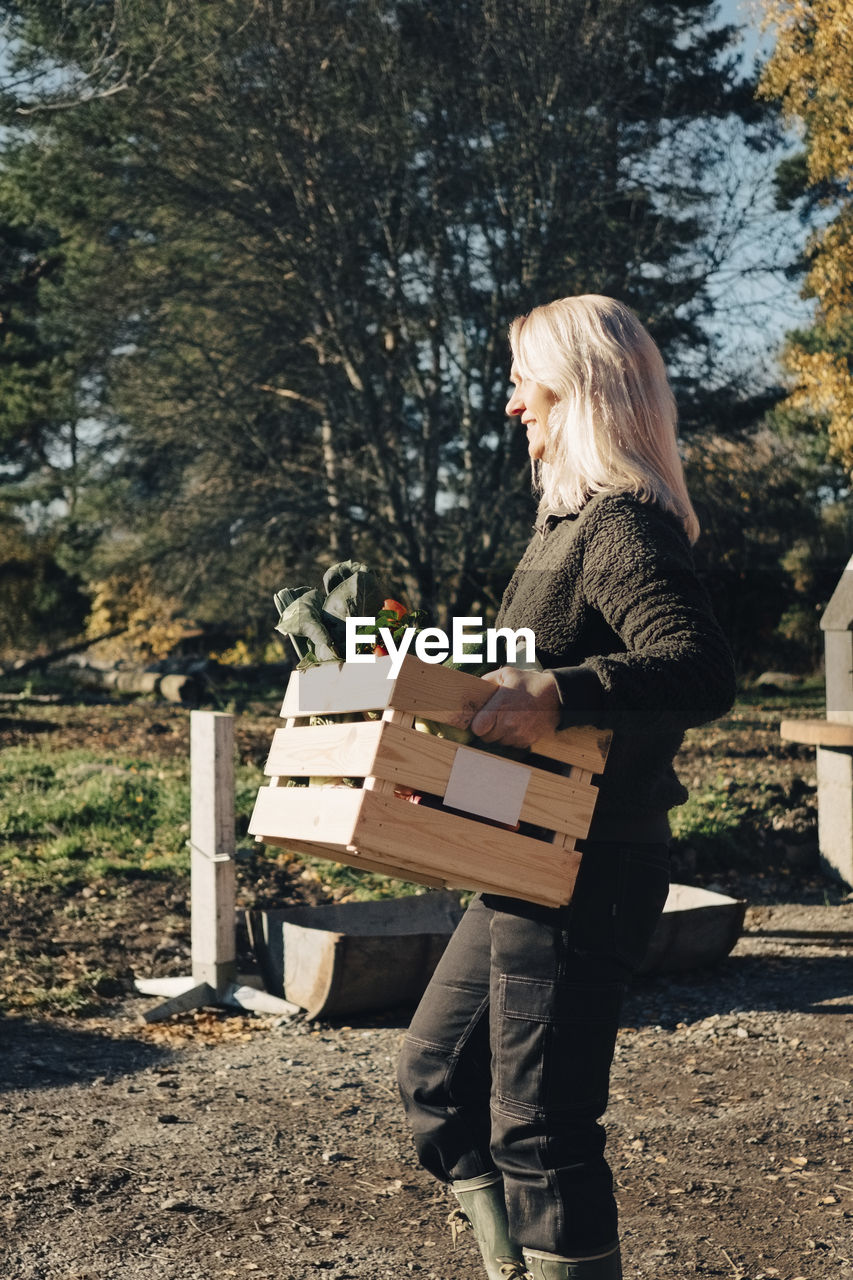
(533, 403)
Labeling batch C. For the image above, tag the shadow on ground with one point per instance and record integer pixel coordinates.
(46, 1055)
(745, 983)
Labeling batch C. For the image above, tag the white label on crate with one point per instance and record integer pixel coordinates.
(487, 785)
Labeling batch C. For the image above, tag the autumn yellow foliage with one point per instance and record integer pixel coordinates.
(152, 623)
(811, 74)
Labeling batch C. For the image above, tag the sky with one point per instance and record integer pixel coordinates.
(758, 311)
(744, 13)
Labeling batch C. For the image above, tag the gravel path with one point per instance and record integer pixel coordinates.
(230, 1146)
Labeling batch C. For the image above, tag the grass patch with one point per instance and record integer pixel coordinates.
(727, 825)
(68, 818)
(71, 816)
(807, 697)
(714, 821)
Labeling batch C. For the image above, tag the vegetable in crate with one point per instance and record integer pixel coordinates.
(398, 619)
(314, 621)
(314, 618)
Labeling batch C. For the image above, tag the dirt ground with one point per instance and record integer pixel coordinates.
(223, 1145)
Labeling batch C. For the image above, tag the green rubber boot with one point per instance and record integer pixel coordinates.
(550, 1266)
(483, 1208)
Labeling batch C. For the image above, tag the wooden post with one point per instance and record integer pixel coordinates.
(835, 763)
(214, 958)
(214, 977)
(834, 735)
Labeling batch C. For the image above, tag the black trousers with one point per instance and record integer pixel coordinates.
(507, 1061)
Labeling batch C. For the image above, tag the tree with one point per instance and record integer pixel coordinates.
(40, 603)
(811, 73)
(312, 222)
(31, 385)
(774, 514)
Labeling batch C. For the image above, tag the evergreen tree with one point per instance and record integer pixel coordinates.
(310, 224)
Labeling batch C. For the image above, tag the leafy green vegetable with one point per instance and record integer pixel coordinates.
(355, 596)
(302, 619)
(282, 600)
(314, 618)
(338, 573)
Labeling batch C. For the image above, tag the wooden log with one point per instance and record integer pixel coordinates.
(136, 681)
(177, 688)
(172, 688)
(22, 667)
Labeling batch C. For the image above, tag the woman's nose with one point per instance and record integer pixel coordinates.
(515, 404)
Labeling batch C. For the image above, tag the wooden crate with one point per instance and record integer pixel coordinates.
(457, 846)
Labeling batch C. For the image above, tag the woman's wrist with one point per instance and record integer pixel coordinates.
(580, 695)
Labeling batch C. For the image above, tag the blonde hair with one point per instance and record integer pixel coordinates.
(612, 428)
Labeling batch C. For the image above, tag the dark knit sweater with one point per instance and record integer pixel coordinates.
(620, 617)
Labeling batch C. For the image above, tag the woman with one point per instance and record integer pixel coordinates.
(504, 1073)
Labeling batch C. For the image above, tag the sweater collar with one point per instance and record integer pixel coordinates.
(548, 517)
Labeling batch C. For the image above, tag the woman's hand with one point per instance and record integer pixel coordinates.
(525, 707)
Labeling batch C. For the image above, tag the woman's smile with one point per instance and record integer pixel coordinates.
(532, 403)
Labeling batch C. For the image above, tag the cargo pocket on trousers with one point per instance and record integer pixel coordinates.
(555, 1044)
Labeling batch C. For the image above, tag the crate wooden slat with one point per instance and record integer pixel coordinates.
(390, 831)
(429, 692)
(352, 857)
(325, 750)
(398, 755)
(372, 828)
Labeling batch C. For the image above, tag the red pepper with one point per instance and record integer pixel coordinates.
(398, 611)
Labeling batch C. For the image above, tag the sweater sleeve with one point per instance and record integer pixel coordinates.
(676, 669)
